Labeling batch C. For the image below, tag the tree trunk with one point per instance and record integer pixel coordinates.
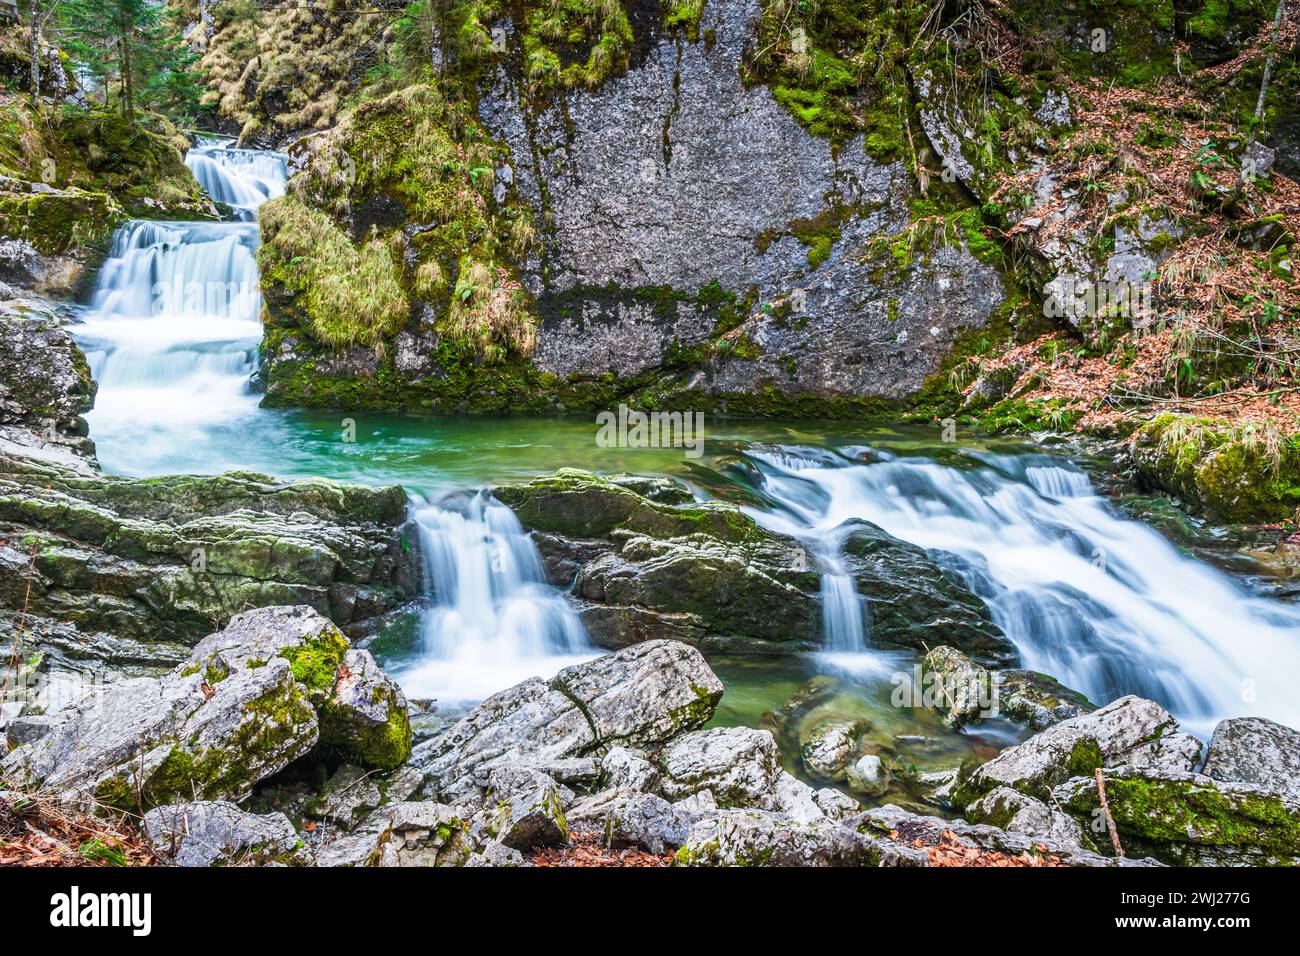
(1253, 132)
(36, 52)
(128, 82)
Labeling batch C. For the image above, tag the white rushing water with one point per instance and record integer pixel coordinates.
(241, 178)
(1099, 601)
(173, 328)
(495, 620)
(172, 335)
(172, 332)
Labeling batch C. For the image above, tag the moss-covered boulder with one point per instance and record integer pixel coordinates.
(1127, 731)
(1237, 473)
(202, 732)
(1190, 819)
(362, 712)
(45, 385)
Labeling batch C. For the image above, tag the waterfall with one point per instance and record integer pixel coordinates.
(494, 619)
(1101, 602)
(172, 330)
(241, 178)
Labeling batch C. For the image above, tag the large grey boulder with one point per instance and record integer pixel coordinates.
(145, 742)
(739, 766)
(630, 818)
(218, 833)
(1107, 737)
(1256, 751)
(761, 838)
(247, 702)
(640, 696)
(363, 713)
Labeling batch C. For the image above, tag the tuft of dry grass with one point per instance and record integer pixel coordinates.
(39, 829)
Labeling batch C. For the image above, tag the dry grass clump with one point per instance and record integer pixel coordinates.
(351, 295)
(38, 829)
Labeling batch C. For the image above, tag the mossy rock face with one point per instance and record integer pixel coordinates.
(1189, 819)
(59, 221)
(580, 504)
(1238, 474)
(159, 559)
(364, 720)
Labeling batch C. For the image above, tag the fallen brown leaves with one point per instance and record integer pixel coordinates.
(588, 849)
(950, 851)
(35, 830)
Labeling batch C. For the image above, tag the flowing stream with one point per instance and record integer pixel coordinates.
(1097, 600)
(1084, 593)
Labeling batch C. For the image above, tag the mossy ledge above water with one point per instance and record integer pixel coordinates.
(1239, 474)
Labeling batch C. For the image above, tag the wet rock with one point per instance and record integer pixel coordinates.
(1256, 751)
(914, 602)
(217, 833)
(869, 776)
(154, 562)
(760, 838)
(1037, 699)
(828, 747)
(964, 688)
(737, 765)
(640, 696)
(708, 575)
(1187, 818)
(1075, 747)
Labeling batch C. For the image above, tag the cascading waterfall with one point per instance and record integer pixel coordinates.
(495, 620)
(173, 328)
(1099, 601)
(172, 335)
(241, 178)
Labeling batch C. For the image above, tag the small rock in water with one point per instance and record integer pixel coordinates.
(869, 776)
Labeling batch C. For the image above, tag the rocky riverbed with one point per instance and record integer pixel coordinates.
(209, 629)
